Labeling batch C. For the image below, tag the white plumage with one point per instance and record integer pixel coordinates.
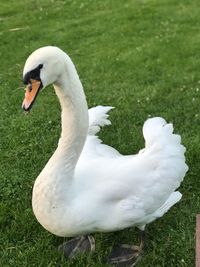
(140, 188)
(88, 186)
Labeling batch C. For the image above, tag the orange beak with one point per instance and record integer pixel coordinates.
(31, 92)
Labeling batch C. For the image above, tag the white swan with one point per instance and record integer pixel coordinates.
(87, 186)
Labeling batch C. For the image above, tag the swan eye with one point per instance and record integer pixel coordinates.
(30, 87)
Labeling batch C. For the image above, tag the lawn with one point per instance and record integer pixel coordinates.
(140, 56)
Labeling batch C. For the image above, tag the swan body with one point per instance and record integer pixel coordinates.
(87, 186)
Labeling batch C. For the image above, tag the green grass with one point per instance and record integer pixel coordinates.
(141, 56)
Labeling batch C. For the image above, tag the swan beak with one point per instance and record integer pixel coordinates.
(31, 91)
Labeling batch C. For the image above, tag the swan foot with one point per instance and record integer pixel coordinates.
(127, 255)
(78, 245)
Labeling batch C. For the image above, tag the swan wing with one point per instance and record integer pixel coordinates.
(98, 117)
(137, 189)
(158, 173)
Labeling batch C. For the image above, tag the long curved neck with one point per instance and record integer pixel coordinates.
(52, 192)
(74, 119)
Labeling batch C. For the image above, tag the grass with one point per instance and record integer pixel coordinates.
(141, 56)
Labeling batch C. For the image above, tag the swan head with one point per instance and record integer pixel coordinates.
(42, 68)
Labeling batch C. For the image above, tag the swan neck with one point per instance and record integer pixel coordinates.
(53, 188)
(74, 116)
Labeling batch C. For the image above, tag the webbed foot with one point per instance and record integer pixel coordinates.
(78, 245)
(127, 255)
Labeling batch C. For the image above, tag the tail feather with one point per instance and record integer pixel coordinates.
(172, 200)
(98, 117)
